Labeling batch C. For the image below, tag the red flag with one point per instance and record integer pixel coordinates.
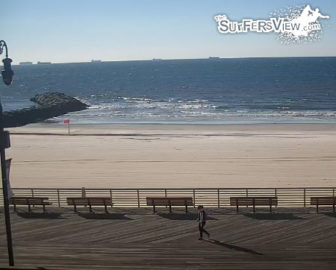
(66, 121)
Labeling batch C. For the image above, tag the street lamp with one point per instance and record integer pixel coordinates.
(7, 73)
(7, 76)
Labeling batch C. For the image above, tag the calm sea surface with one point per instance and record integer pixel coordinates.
(265, 90)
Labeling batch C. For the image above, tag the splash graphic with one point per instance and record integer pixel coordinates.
(293, 25)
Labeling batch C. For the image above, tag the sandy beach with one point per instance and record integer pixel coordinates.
(142, 156)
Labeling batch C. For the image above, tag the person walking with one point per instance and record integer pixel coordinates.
(202, 218)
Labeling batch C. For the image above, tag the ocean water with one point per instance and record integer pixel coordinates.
(204, 91)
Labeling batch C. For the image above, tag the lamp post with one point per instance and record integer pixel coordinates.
(7, 76)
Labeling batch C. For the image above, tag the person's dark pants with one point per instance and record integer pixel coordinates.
(201, 229)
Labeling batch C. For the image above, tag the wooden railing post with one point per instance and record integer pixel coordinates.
(276, 195)
(165, 192)
(247, 194)
(32, 194)
(194, 197)
(304, 197)
(111, 197)
(58, 198)
(138, 196)
(84, 195)
(218, 199)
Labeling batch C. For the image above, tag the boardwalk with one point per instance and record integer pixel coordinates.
(137, 239)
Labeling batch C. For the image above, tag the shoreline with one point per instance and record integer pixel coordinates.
(164, 126)
(177, 124)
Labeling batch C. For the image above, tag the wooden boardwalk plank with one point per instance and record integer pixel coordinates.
(137, 239)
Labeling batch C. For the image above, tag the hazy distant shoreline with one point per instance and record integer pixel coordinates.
(29, 63)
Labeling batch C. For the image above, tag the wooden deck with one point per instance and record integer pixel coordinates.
(138, 239)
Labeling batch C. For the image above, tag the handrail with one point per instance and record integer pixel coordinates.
(210, 197)
(173, 188)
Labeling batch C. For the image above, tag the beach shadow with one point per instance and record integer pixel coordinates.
(330, 214)
(40, 215)
(29, 268)
(104, 216)
(273, 216)
(26, 268)
(238, 248)
(184, 216)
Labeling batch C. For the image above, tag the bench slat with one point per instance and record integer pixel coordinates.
(30, 201)
(322, 200)
(166, 201)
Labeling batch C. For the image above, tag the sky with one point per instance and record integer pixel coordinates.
(110, 30)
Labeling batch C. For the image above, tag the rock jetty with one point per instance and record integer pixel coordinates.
(48, 105)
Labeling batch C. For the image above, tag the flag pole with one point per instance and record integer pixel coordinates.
(67, 122)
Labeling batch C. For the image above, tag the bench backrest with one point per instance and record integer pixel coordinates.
(77, 201)
(99, 200)
(89, 201)
(28, 200)
(166, 201)
(322, 200)
(246, 201)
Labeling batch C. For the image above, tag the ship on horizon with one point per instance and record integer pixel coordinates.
(26, 63)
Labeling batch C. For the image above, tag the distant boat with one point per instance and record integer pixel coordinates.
(43, 63)
(214, 57)
(95, 61)
(26, 63)
(157, 59)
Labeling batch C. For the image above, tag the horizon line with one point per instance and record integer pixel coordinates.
(98, 61)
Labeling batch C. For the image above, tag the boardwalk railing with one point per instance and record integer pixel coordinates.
(209, 197)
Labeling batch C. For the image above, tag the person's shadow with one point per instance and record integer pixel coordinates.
(238, 248)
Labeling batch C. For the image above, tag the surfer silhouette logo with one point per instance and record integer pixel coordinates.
(292, 24)
(306, 22)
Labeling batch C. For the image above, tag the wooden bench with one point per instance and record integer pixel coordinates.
(29, 201)
(170, 201)
(323, 201)
(253, 201)
(90, 201)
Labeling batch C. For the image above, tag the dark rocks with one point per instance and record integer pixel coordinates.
(60, 100)
(49, 105)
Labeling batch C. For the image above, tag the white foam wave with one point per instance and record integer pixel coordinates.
(143, 109)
